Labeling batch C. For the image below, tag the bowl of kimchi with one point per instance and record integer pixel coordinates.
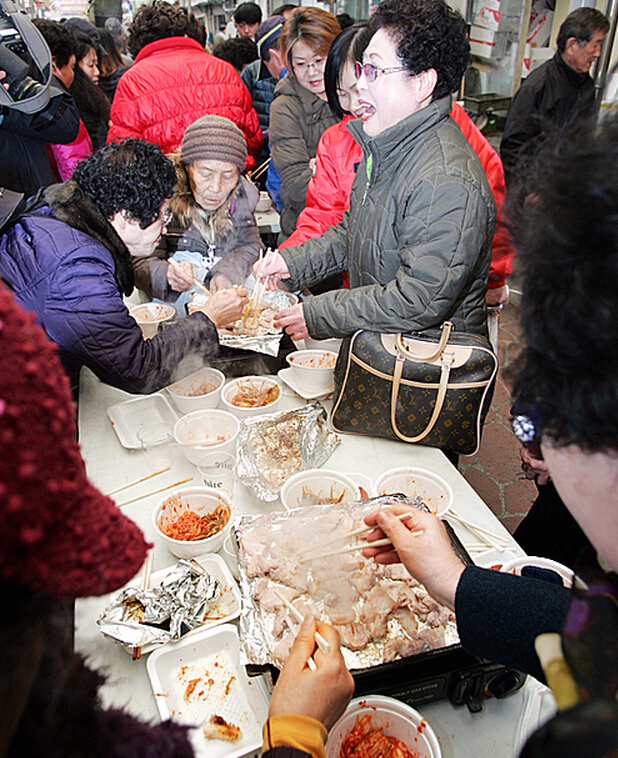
(379, 725)
(193, 521)
(210, 430)
(313, 370)
(251, 395)
(198, 390)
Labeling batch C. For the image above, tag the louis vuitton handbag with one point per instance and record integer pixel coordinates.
(432, 388)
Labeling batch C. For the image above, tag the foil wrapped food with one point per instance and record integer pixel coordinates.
(380, 612)
(187, 597)
(254, 331)
(274, 446)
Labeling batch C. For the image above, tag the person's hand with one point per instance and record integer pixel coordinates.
(292, 319)
(497, 296)
(533, 467)
(2, 75)
(219, 282)
(322, 694)
(226, 306)
(313, 165)
(271, 269)
(429, 556)
(179, 275)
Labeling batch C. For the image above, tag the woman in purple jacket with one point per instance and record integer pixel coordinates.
(69, 261)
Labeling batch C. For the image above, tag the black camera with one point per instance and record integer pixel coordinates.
(23, 51)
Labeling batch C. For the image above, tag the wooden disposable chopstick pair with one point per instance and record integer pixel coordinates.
(260, 169)
(307, 554)
(136, 481)
(258, 292)
(137, 650)
(320, 640)
(154, 492)
(197, 282)
(490, 538)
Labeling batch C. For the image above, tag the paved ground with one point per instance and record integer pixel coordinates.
(495, 471)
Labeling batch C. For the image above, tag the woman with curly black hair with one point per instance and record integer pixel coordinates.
(174, 81)
(417, 238)
(69, 262)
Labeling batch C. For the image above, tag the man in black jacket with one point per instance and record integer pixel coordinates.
(557, 92)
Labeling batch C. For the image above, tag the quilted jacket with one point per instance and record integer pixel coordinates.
(172, 83)
(298, 119)
(338, 158)
(261, 91)
(416, 240)
(66, 264)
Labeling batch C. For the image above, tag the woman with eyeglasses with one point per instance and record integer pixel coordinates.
(68, 260)
(299, 113)
(417, 238)
(212, 234)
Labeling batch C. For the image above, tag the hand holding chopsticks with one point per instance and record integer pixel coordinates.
(271, 269)
(321, 641)
(182, 274)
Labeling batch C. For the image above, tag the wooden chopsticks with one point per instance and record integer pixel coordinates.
(154, 492)
(136, 481)
(196, 281)
(137, 650)
(320, 640)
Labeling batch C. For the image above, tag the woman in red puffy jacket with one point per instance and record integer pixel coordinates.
(338, 156)
(174, 81)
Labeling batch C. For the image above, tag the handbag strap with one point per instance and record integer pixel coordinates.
(444, 377)
(444, 337)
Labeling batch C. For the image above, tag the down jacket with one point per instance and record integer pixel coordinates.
(237, 239)
(338, 158)
(66, 263)
(416, 240)
(172, 83)
(298, 119)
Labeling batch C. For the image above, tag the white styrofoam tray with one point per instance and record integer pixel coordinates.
(212, 658)
(129, 417)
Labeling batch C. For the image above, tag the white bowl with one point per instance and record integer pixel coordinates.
(332, 344)
(261, 383)
(198, 391)
(393, 718)
(210, 430)
(320, 482)
(200, 500)
(437, 494)
(515, 567)
(150, 315)
(313, 370)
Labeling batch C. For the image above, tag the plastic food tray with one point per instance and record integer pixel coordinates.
(129, 417)
(223, 688)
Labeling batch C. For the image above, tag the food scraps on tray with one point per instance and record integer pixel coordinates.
(217, 728)
(253, 395)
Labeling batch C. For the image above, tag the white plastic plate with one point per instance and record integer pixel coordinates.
(129, 417)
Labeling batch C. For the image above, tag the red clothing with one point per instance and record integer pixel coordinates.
(172, 83)
(338, 157)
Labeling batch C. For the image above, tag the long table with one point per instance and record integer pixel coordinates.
(109, 465)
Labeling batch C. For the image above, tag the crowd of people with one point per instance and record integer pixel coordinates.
(394, 214)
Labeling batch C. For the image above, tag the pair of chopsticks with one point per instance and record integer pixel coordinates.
(257, 294)
(260, 170)
(136, 481)
(154, 492)
(489, 538)
(320, 640)
(137, 650)
(308, 555)
(196, 281)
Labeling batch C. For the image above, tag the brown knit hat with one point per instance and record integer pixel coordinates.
(57, 531)
(214, 138)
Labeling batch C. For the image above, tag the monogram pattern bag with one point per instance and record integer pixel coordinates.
(432, 388)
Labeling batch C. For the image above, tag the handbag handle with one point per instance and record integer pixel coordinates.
(444, 337)
(444, 377)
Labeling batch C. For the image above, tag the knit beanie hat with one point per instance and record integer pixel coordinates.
(57, 532)
(214, 138)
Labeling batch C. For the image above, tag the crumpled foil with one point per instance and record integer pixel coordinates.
(274, 446)
(267, 343)
(187, 597)
(269, 547)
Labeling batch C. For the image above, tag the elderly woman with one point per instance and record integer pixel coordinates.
(417, 238)
(69, 262)
(213, 235)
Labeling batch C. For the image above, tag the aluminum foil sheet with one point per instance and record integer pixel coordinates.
(274, 446)
(266, 341)
(187, 597)
(381, 613)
